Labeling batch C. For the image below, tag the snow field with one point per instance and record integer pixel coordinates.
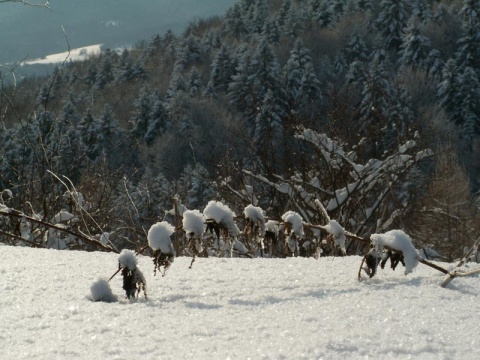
(295, 308)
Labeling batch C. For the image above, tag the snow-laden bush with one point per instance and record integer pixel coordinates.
(127, 259)
(338, 232)
(255, 214)
(397, 240)
(133, 279)
(159, 237)
(295, 221)
(159, 240)
(222, 215)
(101, 291)
(272, 227)
(193, 223)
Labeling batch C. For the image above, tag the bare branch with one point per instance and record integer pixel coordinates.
(87, 239)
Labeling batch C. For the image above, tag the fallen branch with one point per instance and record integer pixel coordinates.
(452, 274)
(87, 239)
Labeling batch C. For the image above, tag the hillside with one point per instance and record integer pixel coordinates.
(365, 112)
(37, 32)
(232, 308)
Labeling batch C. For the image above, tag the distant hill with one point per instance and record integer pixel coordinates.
(37, 32)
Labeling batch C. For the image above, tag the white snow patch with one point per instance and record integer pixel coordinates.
(291, 308)
(101, 291)
(79, 54)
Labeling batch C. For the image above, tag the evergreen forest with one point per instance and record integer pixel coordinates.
(369, 107)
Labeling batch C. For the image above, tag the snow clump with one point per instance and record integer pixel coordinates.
(398, 240)
(193, 223)
(101, 291)
(272, 226)
(295, 220)
(255, 214)
(127, 259)
(222, 214)
(159, 237)
(338, 232)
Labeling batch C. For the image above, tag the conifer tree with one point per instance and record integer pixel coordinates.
(415, 46)
(391, 22)
(449, 91)
(140, 119)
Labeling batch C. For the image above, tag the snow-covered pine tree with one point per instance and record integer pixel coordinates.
(223, 68)
(140, 118)
(392, 21)
(415, 46)
(159, 119)
(449, 91)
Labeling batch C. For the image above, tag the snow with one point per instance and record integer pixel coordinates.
(194, 223)
(272, 226)
(222, 214)
(338, 232)
(293, 308)
(101, 291)
(61, 216)
(159, 237)
(255, 214)
(398, 240)
(78, 54)
(295, 220)
(127, 259)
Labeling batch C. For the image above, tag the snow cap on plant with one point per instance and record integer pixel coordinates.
(222, 214)
(127, 259)
(295, 221)
(398, 240)
(272, 226)
(338, 232)
(193, 223)
(255, 214)
(159, 237)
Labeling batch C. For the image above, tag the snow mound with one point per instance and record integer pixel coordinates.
(295, 220)
(222, 214)
(194, 223)
(127, 259)
(101, 291)
(255, 214)
(398, 240)
(159, 237)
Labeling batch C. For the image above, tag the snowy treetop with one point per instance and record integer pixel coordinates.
(159, 237)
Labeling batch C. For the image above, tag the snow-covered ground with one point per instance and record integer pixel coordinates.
(293, 308)
(79, 54)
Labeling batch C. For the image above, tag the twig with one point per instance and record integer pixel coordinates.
(87, 239)
(361, 267)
